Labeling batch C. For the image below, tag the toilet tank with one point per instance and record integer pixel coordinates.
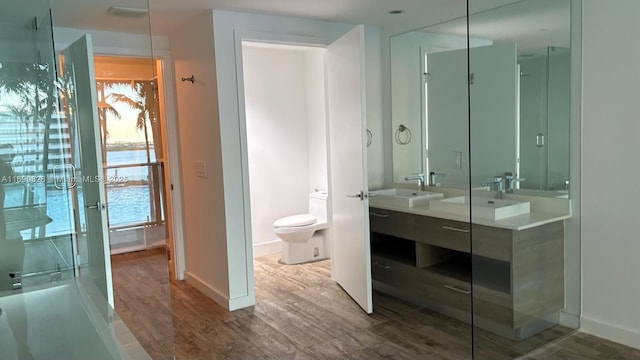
(318, 204)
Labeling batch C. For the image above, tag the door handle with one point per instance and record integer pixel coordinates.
(98, 206)
(359, 195)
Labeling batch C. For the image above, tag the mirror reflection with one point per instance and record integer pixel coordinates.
(517, 75)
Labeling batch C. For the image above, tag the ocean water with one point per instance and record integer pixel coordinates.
(126, 203)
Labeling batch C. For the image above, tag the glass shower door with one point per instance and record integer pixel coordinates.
(36, 224)
(521, 243)
(85, 172)
(36, 228)
(425, 255)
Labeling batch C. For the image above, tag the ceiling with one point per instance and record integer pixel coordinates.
(533, 25)
(169, 15)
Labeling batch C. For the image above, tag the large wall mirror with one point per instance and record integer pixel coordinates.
(516, 75)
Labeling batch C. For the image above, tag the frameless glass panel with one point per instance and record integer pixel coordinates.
(47, 249)
(128, 149)
(37, 262)
(420, 231)
(520, 92)
(36, 220)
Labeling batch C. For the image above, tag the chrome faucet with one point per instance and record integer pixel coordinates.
(510, 182)
(497, 184)
(419, 177)
(433, 178)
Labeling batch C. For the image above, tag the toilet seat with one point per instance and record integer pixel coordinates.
(295, 221)
(299, 233)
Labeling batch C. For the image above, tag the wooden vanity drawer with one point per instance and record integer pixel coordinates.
(392, 223)
(493, 243)
(394, 273)
(454, 235)
(493, 309)
(451, 296)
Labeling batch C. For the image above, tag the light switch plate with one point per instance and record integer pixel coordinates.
(201, 168)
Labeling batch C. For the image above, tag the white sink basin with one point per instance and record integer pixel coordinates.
(402, 197)
(481, 207)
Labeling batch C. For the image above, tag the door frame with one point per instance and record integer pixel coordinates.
(170, 135)
(172, 157)
(274, 38)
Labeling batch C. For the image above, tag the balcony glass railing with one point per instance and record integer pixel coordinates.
(134, 194)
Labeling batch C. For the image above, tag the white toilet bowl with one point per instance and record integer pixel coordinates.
(303, 236)
(298, 227)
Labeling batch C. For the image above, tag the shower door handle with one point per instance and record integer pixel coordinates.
(98, 206)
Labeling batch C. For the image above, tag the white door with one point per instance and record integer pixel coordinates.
(351, 254)
(94, 264)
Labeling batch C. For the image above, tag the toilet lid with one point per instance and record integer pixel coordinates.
(295, 220)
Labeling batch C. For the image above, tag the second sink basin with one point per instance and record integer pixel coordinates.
(402, 197)
(481, 207)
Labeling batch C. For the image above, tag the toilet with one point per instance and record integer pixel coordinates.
(304, 236)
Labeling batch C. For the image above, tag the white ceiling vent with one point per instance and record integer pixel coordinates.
(127, 12)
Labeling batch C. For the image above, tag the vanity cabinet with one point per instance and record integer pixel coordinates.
(518, 275)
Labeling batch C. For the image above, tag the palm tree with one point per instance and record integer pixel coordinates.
(104, 110)
(37, 85)
(146, 104)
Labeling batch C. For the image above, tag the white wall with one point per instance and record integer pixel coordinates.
(610, 171)
(205, 240)
(316, 118)
(278, 129)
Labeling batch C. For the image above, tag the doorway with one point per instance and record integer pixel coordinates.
(133, 153)
(284, 90)
(343, 148)
(132, 118)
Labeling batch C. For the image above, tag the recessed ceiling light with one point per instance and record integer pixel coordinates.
(127, 11)
(396, 12)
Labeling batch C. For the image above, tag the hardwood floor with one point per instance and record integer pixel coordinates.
(300, 313)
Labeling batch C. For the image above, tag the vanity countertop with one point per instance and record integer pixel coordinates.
(518, 222)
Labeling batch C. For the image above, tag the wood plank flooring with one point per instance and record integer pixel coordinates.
(300, 313)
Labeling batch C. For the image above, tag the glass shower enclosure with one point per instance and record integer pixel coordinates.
(37, 224)
(55, 283)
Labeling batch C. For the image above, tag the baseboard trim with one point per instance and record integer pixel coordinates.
(569, 320)
(610, 332)
(207, 289)
(267, 248)
(242, 302)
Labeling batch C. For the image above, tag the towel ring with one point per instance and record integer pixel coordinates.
(369, 137)
(403, 135)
